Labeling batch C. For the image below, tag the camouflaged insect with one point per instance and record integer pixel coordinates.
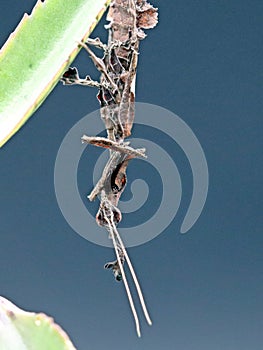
(116, 95)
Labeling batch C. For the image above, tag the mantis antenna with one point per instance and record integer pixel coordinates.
(136, 282)
(112, 233)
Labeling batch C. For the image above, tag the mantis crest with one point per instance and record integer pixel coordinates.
(116, 95)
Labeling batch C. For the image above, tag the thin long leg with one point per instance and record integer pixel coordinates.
(99, 64)
(97, 43)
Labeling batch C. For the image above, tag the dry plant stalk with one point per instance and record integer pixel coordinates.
(116, 95)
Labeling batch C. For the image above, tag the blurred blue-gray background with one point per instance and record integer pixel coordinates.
(204, 289)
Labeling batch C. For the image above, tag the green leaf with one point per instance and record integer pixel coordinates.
(21, 330)
(38, 52)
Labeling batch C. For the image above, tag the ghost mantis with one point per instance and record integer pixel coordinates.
(116, 95)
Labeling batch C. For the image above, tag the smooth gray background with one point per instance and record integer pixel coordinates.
(204, 289)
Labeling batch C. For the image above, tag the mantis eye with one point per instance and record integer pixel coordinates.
(118, 277)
